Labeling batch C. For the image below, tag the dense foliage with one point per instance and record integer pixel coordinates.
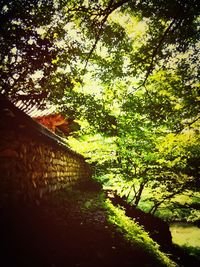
(128, 70)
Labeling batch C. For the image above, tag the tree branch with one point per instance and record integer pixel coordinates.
(110, 8)
(155, 52)
(187, 125)
(157, 204)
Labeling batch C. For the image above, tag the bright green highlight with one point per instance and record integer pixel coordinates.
(135, 235)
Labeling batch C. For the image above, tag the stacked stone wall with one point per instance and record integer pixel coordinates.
(33, 161)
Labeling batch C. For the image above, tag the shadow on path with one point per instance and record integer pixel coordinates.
(59, 233)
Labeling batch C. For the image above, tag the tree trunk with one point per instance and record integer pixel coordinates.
(139, 194)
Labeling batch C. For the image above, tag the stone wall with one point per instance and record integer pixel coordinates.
(34, 161)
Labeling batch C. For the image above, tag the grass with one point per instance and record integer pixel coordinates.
(186, 235)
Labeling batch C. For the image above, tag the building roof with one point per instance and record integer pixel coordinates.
(48, 115)
(15, 118)
(35, 110)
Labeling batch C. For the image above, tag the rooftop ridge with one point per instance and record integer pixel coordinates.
(25, 121)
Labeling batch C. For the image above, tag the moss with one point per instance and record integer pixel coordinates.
(135, 235)
(126, 236)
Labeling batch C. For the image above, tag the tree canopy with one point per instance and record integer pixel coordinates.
(128, 69)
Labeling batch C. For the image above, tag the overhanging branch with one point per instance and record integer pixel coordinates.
(155, 52)
(112, 6)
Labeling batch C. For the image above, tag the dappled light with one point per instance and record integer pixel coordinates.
(100, 119)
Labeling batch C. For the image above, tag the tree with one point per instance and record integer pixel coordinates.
(26, 54)
(69, 34)
(140, 58)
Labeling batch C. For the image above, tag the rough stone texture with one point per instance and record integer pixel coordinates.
(34, 161)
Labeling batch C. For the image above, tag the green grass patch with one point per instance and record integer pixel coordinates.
(185, 235)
